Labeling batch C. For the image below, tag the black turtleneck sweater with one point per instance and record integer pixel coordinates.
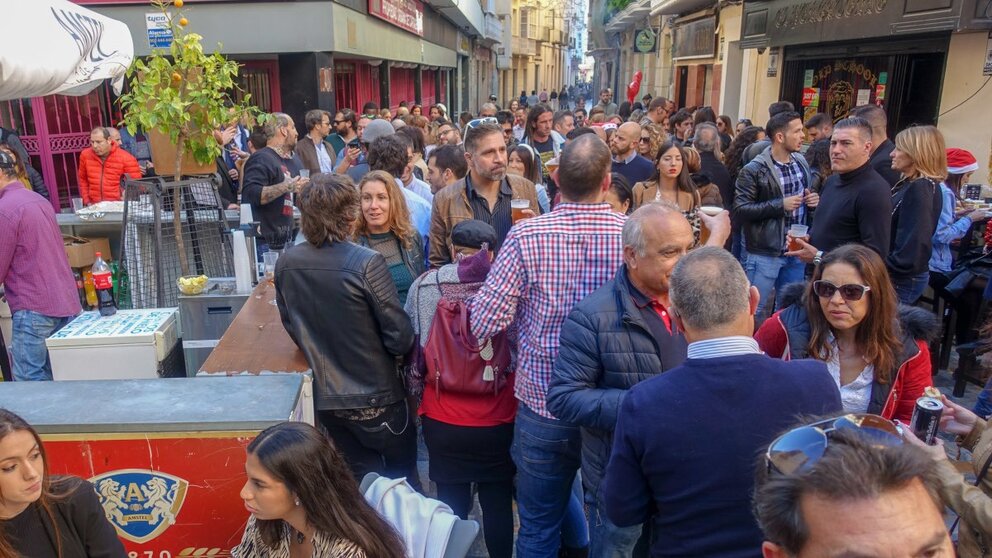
(855, 207)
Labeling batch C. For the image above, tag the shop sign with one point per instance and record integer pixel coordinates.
(140, 503)
(773, 55)
(850, 66)
(645, 41)
(159, 32)
(811, 97)
(695, 39)
(819, 11)
(405, 14)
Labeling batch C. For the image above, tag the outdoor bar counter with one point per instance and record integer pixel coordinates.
(166, 456)
(256, 341)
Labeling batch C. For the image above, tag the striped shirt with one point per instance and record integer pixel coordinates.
(723, 347)
(546, 265)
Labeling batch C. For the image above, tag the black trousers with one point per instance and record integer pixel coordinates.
(386, 444)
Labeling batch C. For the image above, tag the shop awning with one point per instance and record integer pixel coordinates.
(55, 46)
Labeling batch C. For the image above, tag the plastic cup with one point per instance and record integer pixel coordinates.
(305, 173)
(795, 233)
(711, 210)
(77, 204)
(269, 260)
(518, 206)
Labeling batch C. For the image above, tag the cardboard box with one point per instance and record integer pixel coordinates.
(102, 245)
(79, 250)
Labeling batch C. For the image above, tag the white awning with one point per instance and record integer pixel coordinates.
(55, 46)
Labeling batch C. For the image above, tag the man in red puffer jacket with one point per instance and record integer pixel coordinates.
(101, 167)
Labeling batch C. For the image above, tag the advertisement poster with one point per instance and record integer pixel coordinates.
(167, 495)
(864, 96)
(811, 97)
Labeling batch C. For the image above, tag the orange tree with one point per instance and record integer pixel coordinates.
(184, 93)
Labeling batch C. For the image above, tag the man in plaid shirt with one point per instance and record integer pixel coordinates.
(546, 265)
(772, 194)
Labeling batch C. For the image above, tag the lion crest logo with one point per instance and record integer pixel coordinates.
(141, 504)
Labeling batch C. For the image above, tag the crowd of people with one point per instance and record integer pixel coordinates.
(658, 332)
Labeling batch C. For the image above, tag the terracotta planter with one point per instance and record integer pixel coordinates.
(164, 157)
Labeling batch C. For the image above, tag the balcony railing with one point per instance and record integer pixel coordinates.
(524, 46)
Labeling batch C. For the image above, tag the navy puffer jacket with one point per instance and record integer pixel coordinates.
(606, 347)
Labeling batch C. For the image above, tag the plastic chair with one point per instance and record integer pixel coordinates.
(463, 533)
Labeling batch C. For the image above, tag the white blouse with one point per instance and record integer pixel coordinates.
(856, 395)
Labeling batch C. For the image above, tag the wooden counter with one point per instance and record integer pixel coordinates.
(256, 341)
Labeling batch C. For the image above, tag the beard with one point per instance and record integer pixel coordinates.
(490, 174)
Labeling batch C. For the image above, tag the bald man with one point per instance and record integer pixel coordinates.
(626, 160)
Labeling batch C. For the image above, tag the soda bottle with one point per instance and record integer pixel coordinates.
(103, 281)
(89, 289)
(81, 288)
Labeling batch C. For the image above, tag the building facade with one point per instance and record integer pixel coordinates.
(924, 61)
(296, 56)
(541, 54)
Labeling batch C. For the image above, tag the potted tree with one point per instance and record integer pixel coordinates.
(179, 98)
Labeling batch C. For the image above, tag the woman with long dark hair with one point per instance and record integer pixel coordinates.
(42, 514)
(733, 157)
(304, 501)
(524, 161)
(849, 318)
(672, 182)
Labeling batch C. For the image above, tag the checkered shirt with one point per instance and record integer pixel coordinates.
(793, 183)
(547, 264)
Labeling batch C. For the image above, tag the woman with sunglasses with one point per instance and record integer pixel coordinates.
(43, 514)
(971, 501)
(849, 318)
(652, 136)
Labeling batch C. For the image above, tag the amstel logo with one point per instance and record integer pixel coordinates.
(140, 503)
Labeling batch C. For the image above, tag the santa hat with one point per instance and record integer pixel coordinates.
(960, 161)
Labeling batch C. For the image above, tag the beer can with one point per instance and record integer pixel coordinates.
(926, 418)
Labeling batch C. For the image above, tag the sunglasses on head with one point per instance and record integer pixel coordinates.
(800, 448)
(480, 121)
(850, 292)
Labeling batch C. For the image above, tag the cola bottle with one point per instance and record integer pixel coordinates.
(103, 281)
(80, 288)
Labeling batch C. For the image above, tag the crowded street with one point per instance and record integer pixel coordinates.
(515, 278)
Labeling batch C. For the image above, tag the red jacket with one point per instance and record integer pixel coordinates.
(100, 179)
(785, 335)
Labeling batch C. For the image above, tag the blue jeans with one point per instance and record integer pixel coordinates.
(574, 529)
(983, 407)
(546, 453)
(28, 333)
(910, 289)
(769, 273)
(606, 540)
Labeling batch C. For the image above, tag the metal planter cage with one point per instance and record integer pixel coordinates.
(150, 253)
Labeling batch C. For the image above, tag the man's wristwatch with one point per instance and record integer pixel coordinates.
(818, 257)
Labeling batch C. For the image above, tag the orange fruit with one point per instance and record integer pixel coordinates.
(179, 3)
(183, 21)
(176, 76)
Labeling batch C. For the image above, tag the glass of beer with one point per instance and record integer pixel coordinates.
(796, 232)
(712, 211)
(518, 206)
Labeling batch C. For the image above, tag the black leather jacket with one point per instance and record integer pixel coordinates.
(758, 204)
(339, 304)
